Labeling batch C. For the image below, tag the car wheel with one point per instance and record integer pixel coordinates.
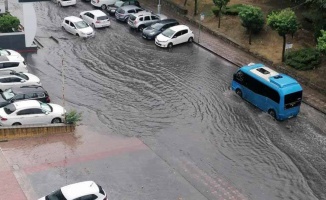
(272, 113)
(170, 45)
(238, 92)
(16, 124)
(56, 121)
(77, 34)
(141, 28)
(93, 26)
(191, 39)
(103, 7)
(60, 4)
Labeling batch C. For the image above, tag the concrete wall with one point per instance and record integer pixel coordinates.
(9, 133)
(15, 41)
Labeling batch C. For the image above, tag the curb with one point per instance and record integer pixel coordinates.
(213, 52)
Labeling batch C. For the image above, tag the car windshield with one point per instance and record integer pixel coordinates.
(56, 195)
(157, 26)
(102, 18)
(46, 107)
(118, 4)
(168, 33)
(4, 52)
(8, 94)
(120, 11)
(81, 24)
(9, 108)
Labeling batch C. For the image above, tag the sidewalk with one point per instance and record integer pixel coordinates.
(231, 53)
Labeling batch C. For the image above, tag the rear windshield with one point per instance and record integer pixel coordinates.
(22, 76)
(121, 11)
(293, 99)
(56, 195)
(9, 109)
(102, 18)
(132, 17)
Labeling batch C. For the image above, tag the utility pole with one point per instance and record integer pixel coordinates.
(63, 85)
(159, 7)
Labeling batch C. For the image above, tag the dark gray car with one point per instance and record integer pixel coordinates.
(123, 13)
(152, 31)
(111, 10)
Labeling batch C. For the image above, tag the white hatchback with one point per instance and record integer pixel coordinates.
(174, 35)
(82, 190)
(12, 53)
(15, 79)
(12, 63)
(28, 112)
(77, 26)
(66, 2)
(95, 18)
(103, 4)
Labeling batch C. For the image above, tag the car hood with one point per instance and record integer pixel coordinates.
(150, 30)
(15, 55)
(33, 78)
(57, 109)
(86, 30)
(162, 38)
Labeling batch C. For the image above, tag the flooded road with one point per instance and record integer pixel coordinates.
(179, 103)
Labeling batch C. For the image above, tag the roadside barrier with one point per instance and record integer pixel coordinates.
(15, 132)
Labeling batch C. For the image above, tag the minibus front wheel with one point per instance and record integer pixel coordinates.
(238, 92)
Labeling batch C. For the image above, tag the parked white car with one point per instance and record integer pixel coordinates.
(82, 190)
(12, 63)
(15, 79)
(95, 18)
(12, 53)
(29, 112)
(103, 4)
(65, 2)
(174, 35)
(77, 26)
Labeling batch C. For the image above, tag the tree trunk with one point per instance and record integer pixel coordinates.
(219, 17)
(250, 36)
(184, 4)
(283, 51)
(196, 7)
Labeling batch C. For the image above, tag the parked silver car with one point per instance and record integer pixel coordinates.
(123, 13)
(143, 19)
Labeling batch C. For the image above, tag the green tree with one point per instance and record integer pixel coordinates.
(220, 4)
(8, 23)
(252, 18)
(284, 22)
(321, 42)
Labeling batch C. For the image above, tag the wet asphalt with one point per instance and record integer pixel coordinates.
(193, 138)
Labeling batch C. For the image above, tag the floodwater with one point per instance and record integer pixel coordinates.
(179, 103)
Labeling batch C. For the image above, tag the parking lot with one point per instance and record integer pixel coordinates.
(158, 124)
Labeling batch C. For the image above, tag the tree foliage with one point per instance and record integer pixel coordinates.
(252, 18)
(321, 42)
(284, 22)
(73, 117)
(8, 23)
(220, 4)
(304, 59)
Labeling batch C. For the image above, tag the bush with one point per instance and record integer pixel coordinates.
(72, 117)
(321, 45)
(8, 23)
(233, 9)
(304, 59)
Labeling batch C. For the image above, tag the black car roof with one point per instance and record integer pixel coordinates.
(26, 89)
(167, 21)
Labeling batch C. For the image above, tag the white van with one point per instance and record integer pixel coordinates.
(103, 4)
(10, 63)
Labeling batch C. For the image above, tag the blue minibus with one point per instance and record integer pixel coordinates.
(274, 93)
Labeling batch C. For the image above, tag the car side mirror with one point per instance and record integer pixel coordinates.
(47, 112)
